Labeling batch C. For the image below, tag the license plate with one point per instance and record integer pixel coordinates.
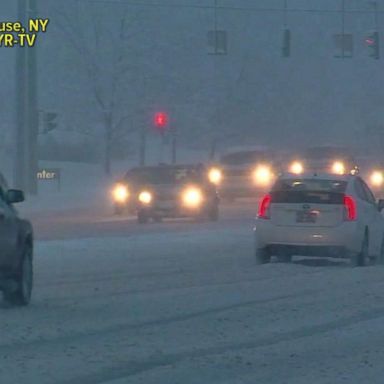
(306, 217)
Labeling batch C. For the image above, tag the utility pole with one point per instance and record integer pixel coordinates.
(286, 49)
(26, 107)
(343, 28)
(32, 123)
(20, 105)
(220, 48)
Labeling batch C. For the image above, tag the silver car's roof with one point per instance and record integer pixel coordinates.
(316, 175)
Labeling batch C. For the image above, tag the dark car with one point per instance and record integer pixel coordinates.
(247, 172)
(323, 159)
(173, 191)
(16, 249)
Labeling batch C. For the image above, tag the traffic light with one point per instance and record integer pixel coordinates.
(161, 121)
(49, 123)
(286, 49)
(373, 44)
(218, 42)
(344, 45)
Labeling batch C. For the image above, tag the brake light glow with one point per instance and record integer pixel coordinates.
(350, 208)
(264, 206)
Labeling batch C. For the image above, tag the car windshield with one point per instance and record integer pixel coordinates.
(156, 176)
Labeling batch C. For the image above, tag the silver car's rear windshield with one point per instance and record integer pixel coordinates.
(319, 191)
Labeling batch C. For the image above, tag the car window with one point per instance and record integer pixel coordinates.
(360, 190)
(310, 185)
(368, 193)
(165, 176)
(363, 191)
(316, 191)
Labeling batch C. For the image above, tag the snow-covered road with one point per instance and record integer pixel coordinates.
(192, 307)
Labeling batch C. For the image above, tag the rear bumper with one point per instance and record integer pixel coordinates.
(306, 250)
(345, 238)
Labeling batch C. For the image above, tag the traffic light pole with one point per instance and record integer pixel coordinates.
(174, 146)
(143, 145)
(342, 28)
(162, 145)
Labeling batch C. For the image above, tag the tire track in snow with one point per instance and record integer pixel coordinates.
(133, 368)
(111, 330)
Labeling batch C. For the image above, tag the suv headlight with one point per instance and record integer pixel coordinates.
(120, 193)
(145, 197)
(215, 175)
(377, 178)
(192, 197)
(338, 168)
(262, 175)
(296, 167)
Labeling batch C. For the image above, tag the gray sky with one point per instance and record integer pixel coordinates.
(261, 97)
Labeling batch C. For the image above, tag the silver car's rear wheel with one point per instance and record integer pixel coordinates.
(361, 258)
(380, 258)
(262, 256)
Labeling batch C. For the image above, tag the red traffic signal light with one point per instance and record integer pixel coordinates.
(373, 44)
(369, 41)
(161, 120)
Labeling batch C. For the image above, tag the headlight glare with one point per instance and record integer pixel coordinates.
(338, 168)
(120, 193)
(296, 168)
(262, 175)
(192, 197)
(145, 197)
(377, 178)
(215, 176)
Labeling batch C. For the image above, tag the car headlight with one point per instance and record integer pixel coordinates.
(192, 197)
(338, 168)
(215, 176)
(377, 179)
(262, 175)
(296, 168)
(120, 193)
(145, 197)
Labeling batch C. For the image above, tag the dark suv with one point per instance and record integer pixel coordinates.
(16, 249)
(157, 192)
